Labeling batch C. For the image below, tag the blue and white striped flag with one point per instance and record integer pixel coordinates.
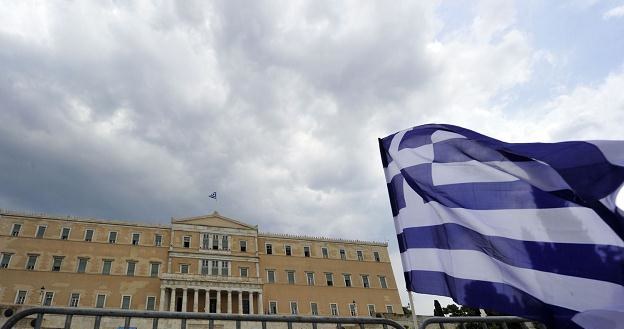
(528, 229)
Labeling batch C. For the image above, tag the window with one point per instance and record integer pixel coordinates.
(130, 268)
(293, 308)
(371, 309)
(205, 241)
(288, 250)
(215, 242)
(20, 298)
(154, 269)
(325, 252)
(329, 277)
(225, 268)
(225, 243)
(269, 249)
(150, 305)
(88, 235)
(100, 301)
(291, 277)
(353, 309)
(184, 268)
(16, 229)
(65, 233)
(314, 308)
(365, 282)
(48, 298)
(243, 246)
(112, 237)
(382, 282)
(186, 241)
(389, 309)
(56, 263)
(333, 309)
(360, 255)
(244, 272)
(106, 266)
(74, 299)
(310, 278)
(271, 276)
(40, 231)
(125, 302)
(343, 254)
(215, 267)
(6, 259)
(82, 265)
(347, 280)
(376, 256)
(136, 237)
(32, 261)
(272, 307)
(306, 251)
(205, 267)
(158, 240)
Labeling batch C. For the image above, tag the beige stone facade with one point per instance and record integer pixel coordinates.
(201, 264)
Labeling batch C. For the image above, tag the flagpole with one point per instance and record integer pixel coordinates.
(411, 300)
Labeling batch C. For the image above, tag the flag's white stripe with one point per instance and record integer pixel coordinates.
(536, 173)
(574, 293)
(467, 172)
(406, 158)
(612, 151)
(559, 225)
(442, 135)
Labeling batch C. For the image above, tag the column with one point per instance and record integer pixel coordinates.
(206, 300)
(260, 304)
(172, 298)
(229, 310)
(184, 295)
(218, 301)
(161, 303)
(240, 302)
(251, 311)
(195, 299)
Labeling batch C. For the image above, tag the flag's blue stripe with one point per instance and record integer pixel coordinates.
(461, 150)
(416, 137)
(598, 262)
(395, 191)
(490, 295)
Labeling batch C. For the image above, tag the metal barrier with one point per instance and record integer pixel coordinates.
(462, 320)
(98, 313)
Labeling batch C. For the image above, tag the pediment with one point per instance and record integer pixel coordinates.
(214, 220)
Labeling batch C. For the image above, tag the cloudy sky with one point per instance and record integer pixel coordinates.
(139, 110)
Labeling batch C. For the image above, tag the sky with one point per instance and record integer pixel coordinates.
(139, 110)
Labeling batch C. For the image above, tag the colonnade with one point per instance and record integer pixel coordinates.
(169, 304)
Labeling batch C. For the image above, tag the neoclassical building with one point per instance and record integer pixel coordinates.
(201, 264)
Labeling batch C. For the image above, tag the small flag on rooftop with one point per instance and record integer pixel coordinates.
(213, 195)
(526, 229)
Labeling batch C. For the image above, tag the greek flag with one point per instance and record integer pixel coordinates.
(527, 229)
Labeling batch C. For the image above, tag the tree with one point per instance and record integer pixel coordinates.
(437, 308)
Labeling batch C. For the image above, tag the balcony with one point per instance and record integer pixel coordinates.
(210, 278)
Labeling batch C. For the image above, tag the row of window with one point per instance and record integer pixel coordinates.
(88, 234)
(74, 300)
(333, 308)
(268, 247)
(329, 279)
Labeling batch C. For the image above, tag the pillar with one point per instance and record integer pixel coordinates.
(218, 301)
(161, 303)
(206, 300)
(172, 300)
(251, 311)
(184, 296)
(240, 302)
(195, 299)
(260, 303)
(229, 310)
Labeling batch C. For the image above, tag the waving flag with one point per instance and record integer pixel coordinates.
(528, 229)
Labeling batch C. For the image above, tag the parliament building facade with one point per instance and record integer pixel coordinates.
(202, 264)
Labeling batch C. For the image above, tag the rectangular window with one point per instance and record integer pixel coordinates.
(205, 267)
(382, 282)
(353, 309)
(215, 267)
(16, 229)
(32, 261)
(225, 268)
(186, 241)
(272, 307)
(343, 254)
(306, 251)
(291, 277)
(100, 301)
(225, 245)
(112, 237)
(20, 298)
(82, 265)
(360, 255)
(293, 308)
(314, 308)
(244, 272)
(106, 266)
(150, 305)
(88, 235)
(56, 263)
(130, 268)
(40, 231)
(389, 309)
(365, 282)
(65, 233)
(334, 309)
(329, 277)
(269, 249)
(6, 259)
(347, 280)
(206, 241)
(310, 278)
(154, 269)
(215, 242)
(376, 256)
(136, 237)
(158, 240)
(125, 302)
(288, 250)
(371, 309)
(325, 252)
(48, 298)
(184, 268)
(74, 299)
(271, 276)
(243, 246)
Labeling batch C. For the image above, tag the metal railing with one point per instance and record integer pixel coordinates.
(463, 320)
(127, 315)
